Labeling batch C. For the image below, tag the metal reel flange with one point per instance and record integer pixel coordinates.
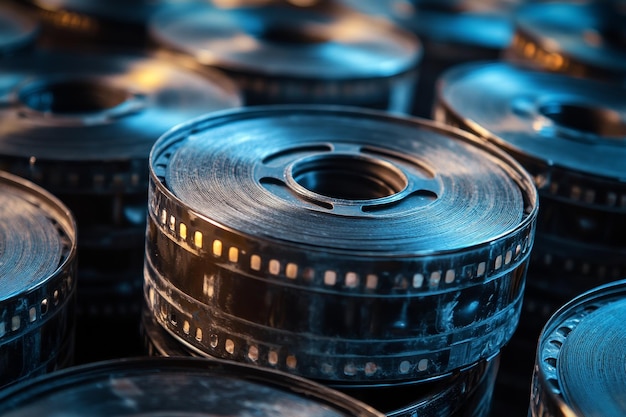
(579, 363)
(336, 243)
(37, 268)
(283, 54)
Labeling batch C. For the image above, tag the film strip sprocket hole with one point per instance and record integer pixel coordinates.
(478, 286)
(36, 227)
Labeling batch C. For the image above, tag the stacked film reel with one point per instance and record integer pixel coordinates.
(284, 54)
(82, 126)
(569, 133)
(452, 32)
(199, 387)
(341, 245)
(38, 273)
(585, 39)
(580, 356)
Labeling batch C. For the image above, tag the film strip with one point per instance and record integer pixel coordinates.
(465, 393)
(19, 31)
(283, 54)
(143, 386)
(567, 132)
(37, 266)
(580, 39)
(578, 364)
(382, 292)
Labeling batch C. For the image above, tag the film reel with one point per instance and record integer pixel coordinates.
(343, 211)
(579, 356)
(452, 33)
(567, 132)
(283, 54)
(89, 22)
(37, 267)
(577, 39)
(181, 386)
(466, 392)
(18, 31)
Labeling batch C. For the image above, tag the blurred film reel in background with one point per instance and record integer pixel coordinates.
(585, 39)
(179, 387)
(82, 126)
(38, 274)
(284, 54)
(346, 246)
(579, 368)
(452, 32)
(570, 134)
(18, 31)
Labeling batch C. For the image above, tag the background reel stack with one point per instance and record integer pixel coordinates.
(345, 246)
(18, 31)
(38, 273)
(284, 54)
(198, 387)
(580, 355)
(82, 126)
(583, 39)
(570, 134)
(452, 32)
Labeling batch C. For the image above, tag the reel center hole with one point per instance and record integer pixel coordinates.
(587, 119)
(349, 177)
(290, 35)
(72, 97)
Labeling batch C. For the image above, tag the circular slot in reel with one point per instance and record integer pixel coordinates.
(283, 54)
(336, 244)
(37, 267)
(177, 386)
(82, 126)
(579, 39)
(579, 363)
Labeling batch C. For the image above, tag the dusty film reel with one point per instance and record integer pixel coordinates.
(569, 133)
(283, 54)
(578, 370)
(314, 240)
(18, 31)
(37, 268)
(575, 38)
(177, 386)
